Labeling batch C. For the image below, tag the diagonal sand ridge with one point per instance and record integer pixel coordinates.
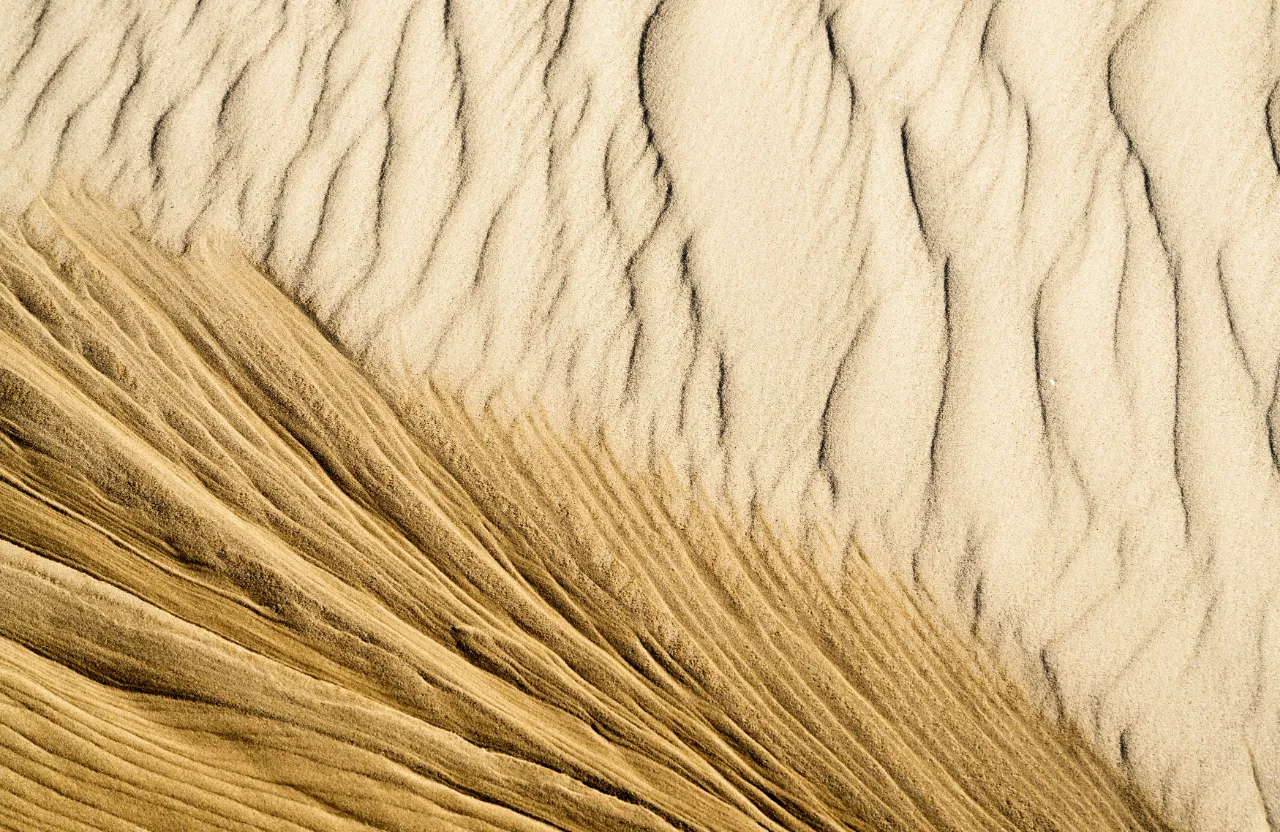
(242, 588)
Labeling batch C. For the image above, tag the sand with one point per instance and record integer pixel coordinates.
(987, 289)
(246, 588)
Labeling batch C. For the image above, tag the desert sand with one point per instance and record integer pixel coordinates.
(981, 294)
(246, 588)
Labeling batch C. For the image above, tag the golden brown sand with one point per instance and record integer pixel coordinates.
(246, 586)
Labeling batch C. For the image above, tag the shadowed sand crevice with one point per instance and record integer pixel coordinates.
(247, 586)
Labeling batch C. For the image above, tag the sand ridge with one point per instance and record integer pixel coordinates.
(245, 589)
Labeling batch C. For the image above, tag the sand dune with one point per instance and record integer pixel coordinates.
(244, 589)
(986, 290)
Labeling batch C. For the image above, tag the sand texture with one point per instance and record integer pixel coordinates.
(245, 589)
(984, 293)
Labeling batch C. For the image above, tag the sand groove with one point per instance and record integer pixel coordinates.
(244, 586)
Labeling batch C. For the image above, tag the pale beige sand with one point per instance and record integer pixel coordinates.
(239, 588)
(987, 286)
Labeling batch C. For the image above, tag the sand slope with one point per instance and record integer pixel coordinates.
(242, 589)
(989, 287)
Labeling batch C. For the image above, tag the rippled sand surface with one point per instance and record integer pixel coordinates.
(980, 292)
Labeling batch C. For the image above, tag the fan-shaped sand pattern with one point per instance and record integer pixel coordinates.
(242, 588)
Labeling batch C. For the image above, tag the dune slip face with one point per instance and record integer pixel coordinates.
(244, 585)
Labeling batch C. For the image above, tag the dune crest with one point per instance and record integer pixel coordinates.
(246, 586)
